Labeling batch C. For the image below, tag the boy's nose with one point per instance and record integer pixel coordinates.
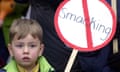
(26, 50)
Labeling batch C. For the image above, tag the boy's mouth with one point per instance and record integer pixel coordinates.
(26, 59)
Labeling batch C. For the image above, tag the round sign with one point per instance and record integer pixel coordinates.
(86, 25)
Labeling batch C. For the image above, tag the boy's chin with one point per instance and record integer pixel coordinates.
(27, 65)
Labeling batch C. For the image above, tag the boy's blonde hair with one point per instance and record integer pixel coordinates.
(23, 27)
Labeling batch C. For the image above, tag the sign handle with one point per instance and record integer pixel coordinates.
(115, 46)
(114, 5)
(115, 41)
(71, 60)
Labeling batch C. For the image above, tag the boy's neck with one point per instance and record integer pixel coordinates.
(34, 68)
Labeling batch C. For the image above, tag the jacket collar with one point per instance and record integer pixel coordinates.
(44, 65)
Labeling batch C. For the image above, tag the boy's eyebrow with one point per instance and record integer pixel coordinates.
(34, 42)
(28, 42)
(16, 42)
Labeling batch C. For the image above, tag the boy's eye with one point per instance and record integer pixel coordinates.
(19, 46)
(32, 46)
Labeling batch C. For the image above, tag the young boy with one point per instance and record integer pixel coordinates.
(26, 48)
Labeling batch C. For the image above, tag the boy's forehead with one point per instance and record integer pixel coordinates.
(26, 37)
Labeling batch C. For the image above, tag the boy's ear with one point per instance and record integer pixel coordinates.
(41, 49)
(10, 50)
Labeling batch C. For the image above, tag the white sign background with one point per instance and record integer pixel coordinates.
(70, 24)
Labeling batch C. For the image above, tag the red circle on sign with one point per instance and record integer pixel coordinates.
(90, 48)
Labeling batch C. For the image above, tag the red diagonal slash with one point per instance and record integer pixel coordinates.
(87, 24)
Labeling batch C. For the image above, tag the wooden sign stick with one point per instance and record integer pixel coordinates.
(115, 41)
(71, 60)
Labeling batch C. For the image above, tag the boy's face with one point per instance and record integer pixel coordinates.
(26, 50)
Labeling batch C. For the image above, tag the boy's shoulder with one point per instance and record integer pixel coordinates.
(44, 65)
(2, 70)
(10, 66)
